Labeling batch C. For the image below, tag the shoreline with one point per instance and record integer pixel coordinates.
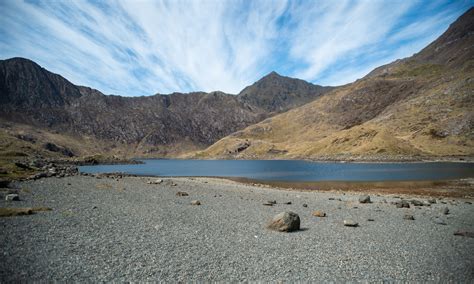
(457, 188)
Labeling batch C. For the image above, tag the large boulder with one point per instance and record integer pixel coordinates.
(285, 222)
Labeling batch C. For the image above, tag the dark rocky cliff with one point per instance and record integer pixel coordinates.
(34, 96)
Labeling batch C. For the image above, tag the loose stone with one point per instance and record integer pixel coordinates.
(319, 213)
(408, 217)
(12, 197)
(439, 221)
(350, 223)
(285, 222)
(446, 211)
(364, 199)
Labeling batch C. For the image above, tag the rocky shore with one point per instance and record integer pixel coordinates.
(124, 228)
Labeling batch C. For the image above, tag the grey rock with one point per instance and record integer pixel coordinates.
(195, 202)
(439, 221)
(446, 211)
(402, 204)
(157, 181)
(12, 197)
(432, 201)
(364, 199)
(182, 193)
(285, 222)
(305, 205)
(350, 223)
(416, 202)
(408, 217)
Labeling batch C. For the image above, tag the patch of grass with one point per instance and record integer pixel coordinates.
(422, 70)
(7, 212)
(13, 211)
(104, 186)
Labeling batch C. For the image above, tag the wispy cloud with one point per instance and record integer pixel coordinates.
(143, 47)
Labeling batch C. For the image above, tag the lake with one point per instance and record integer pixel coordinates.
(293, 170)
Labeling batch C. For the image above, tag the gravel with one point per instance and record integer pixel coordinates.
(128, 230)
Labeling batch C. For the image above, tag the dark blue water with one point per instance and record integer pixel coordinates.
(291, 170)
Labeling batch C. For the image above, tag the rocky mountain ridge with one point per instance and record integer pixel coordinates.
(155, 125)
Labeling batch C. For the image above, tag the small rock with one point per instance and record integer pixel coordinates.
(350, 223)
(268, 204)
(432, 201)
(446, 211)
(402, 204)
(464, 233)
(195, 202)
(182, 193)
(468, 202)
(157, 181)
(272, 202)
(305, 205)
(12, 197)
(439, 221)
(288, 203)
(416, 202)
(285, 222)
(364, 199)
(370, 220)
(331, 198)
(319, 213)
(408, 217)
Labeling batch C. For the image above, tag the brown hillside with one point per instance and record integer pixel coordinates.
(418, 107)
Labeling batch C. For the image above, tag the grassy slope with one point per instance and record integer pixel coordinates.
(14, 149)
(432, 117)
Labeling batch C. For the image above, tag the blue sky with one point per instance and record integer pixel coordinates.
(137, 47)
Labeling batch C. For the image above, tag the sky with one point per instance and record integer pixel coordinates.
(139, 48)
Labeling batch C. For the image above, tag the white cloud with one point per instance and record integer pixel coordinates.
(142, 47)
(338, 30)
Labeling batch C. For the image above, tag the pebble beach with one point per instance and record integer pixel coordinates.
(144, 229)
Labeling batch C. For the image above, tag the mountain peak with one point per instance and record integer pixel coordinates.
(277, 93)
(273, 73)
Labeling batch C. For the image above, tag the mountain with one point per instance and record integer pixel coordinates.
(157, 125)
(421, 107)
(276, 93)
